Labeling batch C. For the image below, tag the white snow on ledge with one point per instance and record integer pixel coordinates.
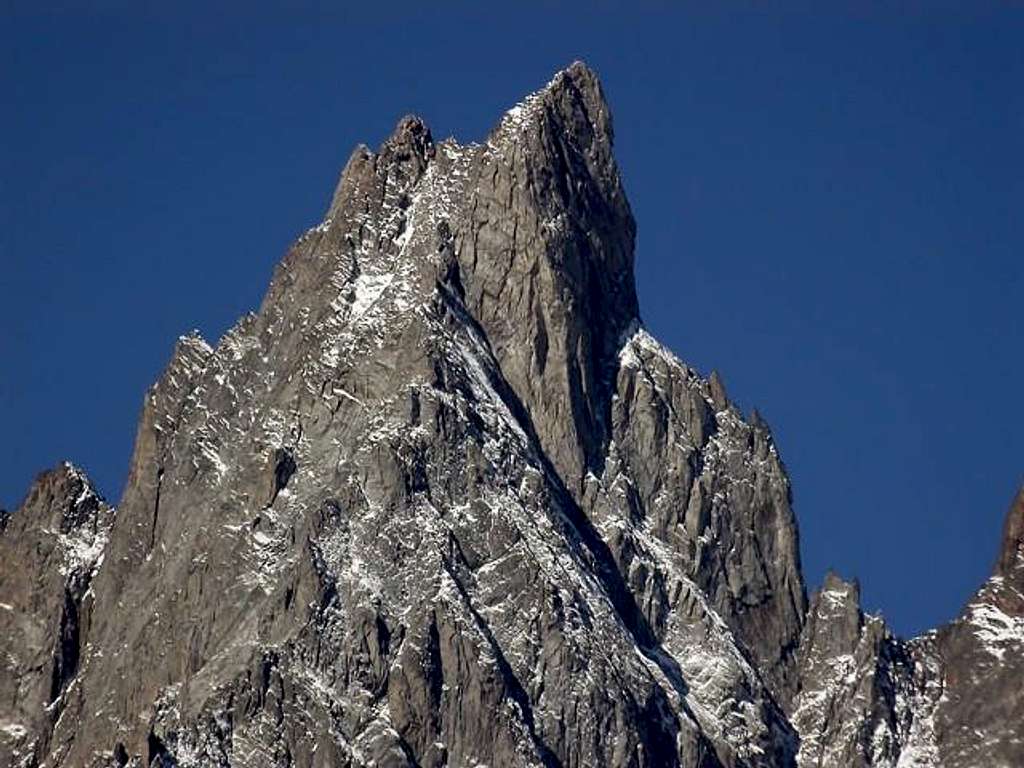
(995, 629)
(368, 288)
(13, 730)
(636, 339)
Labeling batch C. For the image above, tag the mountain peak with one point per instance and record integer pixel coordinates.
(411, 139)
(836, 584)
(443, 501)
(399, 163)
(60, 500)
(1011, 555)
(580, 83)
(547, 261)
(572, 103)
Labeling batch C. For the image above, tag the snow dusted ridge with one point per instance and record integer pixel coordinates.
(442, 501)
(51, 550)
(997, 631)
(79, 523)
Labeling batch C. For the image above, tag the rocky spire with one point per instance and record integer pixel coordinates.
(49, 553)
(1010, 564)
(399, 164)
(981, 654)
(442, 500)
(546, 257)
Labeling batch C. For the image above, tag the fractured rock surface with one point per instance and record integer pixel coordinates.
(442, 500)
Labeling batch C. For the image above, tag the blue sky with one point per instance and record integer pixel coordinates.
(829, 211)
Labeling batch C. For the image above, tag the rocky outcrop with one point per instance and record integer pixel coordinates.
(545, 257)
(861, 690)
(442, 500)
(979, 718)
(950, 698)
(1010, 565)
(50, 550)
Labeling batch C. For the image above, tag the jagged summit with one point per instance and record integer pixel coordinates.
(443, 501)
(62, 501)
(403, 156)
(51, 548)
(573, 93)
(1011, 555)
(834, 584)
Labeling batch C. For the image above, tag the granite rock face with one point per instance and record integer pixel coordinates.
(950, 698)
(981, 713)
(50, 551)
(442, 501)
(862, 692)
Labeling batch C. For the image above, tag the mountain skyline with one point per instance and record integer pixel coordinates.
(443, 500)
(849, 388)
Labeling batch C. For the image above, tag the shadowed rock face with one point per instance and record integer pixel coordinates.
(50, 551)
(443, 501)
(951, 697)
(1010, 565)
(981, 715)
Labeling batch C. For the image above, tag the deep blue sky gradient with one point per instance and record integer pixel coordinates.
(829, 211)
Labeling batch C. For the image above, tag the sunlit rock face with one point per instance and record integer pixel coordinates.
(443, 501)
